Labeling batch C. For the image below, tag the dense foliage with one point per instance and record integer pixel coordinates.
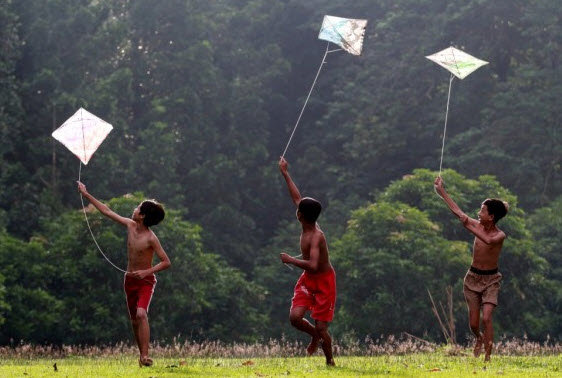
(203, 95)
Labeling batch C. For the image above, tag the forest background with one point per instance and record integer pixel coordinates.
(203, 96)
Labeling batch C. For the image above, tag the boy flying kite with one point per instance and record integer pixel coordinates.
(482, 281)
(316, 288)
(140, 280)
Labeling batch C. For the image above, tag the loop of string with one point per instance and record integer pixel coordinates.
(90, 229)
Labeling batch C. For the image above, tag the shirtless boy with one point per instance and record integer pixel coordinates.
(139, 280)
(482, 281)
(316, 288)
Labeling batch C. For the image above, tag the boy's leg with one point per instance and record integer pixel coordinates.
(296, 316)
(487, 312)
(135, 325)
(143, 336)
(322, 331)
(474, 322)
(473, 301)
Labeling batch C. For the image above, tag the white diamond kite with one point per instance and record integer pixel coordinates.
(460, 64)
(457, 62)
(82, 134)
(345, 32)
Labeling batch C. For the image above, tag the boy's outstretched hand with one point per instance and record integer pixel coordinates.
(81, 188)
(283, 165)
(438, 185)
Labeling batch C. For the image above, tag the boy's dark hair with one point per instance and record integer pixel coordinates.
(153, 212)
(310, 209)
(497, 208)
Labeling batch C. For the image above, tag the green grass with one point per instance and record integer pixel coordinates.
(418, 364)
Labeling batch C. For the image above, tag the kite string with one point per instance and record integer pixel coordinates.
(445, 128)
(89, 228)
(307, 97)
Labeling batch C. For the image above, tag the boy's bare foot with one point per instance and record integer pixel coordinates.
(313, 346)
(330, 362)
(477, 347)
(145, 361)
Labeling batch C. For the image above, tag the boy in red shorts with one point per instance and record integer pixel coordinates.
(316, 288)
(140, 280)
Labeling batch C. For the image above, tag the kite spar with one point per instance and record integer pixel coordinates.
(460, 64)
(82, 134)
(345, 32)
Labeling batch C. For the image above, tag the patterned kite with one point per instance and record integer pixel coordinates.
(345, 32)
(460, 64)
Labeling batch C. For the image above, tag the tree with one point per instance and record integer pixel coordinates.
(406, 241)
(545, 225)
(61, 291)
(389, 257)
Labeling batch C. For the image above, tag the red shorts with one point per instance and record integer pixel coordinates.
(316, 292)
(139, 293)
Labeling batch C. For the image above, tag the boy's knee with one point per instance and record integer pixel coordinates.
(141, 314)
(295, 319)
(321, 327)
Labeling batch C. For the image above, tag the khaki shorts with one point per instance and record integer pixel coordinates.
(479, 288)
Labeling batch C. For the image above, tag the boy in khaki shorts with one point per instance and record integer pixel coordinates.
(482, 281)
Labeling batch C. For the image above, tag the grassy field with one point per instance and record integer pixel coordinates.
(421, 364)
(389, 357)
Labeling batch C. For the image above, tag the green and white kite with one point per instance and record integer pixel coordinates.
(460, 64)
(457, 62)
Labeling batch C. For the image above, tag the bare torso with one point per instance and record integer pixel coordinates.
(486, 256)
(316, 236)
(139, 248)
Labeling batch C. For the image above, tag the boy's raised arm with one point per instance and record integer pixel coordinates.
(293, 190)
(468, 223)
(455, 209)
(103, 208)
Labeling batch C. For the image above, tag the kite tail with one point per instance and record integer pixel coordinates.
(445, 129)
(89, 228)
(307, 97)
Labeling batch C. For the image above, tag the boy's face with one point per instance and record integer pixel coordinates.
(483, 215)
(298, 215)
(136, 213)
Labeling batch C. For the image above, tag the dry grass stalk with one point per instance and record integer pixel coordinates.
(389, 345)
(448, 324)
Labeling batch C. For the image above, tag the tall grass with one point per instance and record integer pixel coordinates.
(390, 345)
